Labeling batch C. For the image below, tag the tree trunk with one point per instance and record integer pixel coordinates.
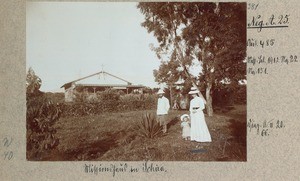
(209, 107)
(186, 71)
(208, 79)
(171, 96)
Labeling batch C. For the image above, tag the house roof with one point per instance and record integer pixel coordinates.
(129, 84)
(110, 85)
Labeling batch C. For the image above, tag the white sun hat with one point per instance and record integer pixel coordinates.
(194, 90)
(160, 91)
(183, 116)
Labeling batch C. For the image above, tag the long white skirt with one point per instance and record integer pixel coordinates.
(199, 130)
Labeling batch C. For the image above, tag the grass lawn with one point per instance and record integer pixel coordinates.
(114, 137)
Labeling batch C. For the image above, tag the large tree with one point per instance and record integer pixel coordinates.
(212, 33)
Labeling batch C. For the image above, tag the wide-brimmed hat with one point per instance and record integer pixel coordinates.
(183, 116)
(160, 91)
(194, 90)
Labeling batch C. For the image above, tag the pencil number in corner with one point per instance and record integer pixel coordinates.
(252, 6)
(7, 153)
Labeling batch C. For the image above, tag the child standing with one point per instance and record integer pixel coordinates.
(185, 124)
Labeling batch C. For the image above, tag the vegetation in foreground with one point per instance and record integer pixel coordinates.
(117, 136)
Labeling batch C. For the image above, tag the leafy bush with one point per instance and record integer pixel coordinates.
(148, 127)
(131, 97)
(139, 101)
(57, 97)
(125, 103)
(223, 97)
(41, 115)
(240, 95)
(109, 95)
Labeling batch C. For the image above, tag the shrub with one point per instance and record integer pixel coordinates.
(131, 97)
(148, 127)
(109, 95)
(41, 116)
(240, 95)
(223, 97)
(126, 103)
(55, 97)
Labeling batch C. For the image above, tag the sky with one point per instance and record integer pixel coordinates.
(69, 40)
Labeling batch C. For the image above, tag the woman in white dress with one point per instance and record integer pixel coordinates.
(199, 130)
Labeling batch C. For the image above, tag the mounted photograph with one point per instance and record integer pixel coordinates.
(136, 81)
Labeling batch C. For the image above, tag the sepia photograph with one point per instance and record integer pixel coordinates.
(136, 81)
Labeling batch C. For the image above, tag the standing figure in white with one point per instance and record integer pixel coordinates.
(199, 130)
(185, 124)
(163, 107)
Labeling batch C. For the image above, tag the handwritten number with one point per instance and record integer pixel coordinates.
(286, 19)
(293, 58)
(8, 155)
(283, 19)
(252, 6)
(256, 6)
(280, 21)
(249, 6)
(7, 142)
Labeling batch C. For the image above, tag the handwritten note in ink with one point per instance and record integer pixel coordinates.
(146, 167)
(260, 64)
(266, 40)
(6, 146)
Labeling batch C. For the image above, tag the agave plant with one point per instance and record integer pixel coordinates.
(148, 127)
